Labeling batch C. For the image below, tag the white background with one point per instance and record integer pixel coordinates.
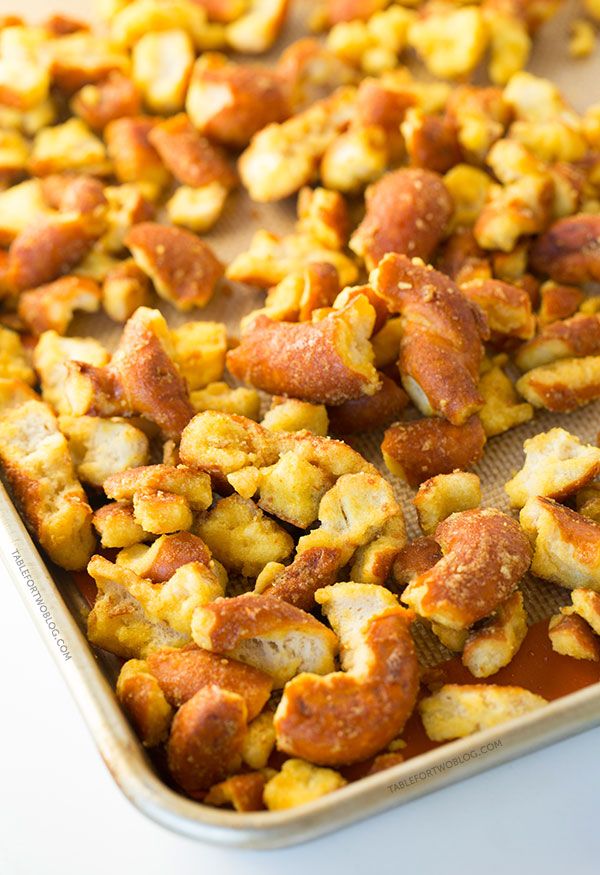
(61, 813)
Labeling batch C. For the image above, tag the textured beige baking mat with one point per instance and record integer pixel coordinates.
(580, 82)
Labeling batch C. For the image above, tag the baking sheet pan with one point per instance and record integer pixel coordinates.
(58, 609)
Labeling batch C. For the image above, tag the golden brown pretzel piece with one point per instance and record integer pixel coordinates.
(140, 379)
(407, 212)
(569, 252)
(181, 672)
(328, 361)
(206, 739)
(441, 345)
(347, 716)
(485, 554)
(416, 451)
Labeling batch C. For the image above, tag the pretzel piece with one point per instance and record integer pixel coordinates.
(441, 345)
(267, 633)
(485, 555)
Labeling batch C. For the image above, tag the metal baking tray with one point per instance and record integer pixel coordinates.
(57, 609)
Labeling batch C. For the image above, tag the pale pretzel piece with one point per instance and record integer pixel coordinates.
(181, 672)
(182, 267)
(221, 397)
(37, 465)
(52, 307)
(502, 409)
(206, 739)
(256, 29)
(124, 288)
(69, 146)
(571, 636)
(103, 447)
(229, 103)
(566, 545)
(586, 603)
(133, 616)
(242, 537)
(259, 741)
(244, 792)
(485, 555)
(290, 414)
(493, 646)
(329, 720)
(562, 386)
(298, 783)
(407, 212)
(14, 363)
(117, 527)
(441, 496)
(267, 633)
(20, 206)
(142, 378)
(441, 345)
(199, 349)
(407, 448)
(50, 358)
(569, 252)
(281, 357)
(576, 337)
(159, 561)
(507, 307)
(556, 465)
(373, 562)
(281, 158)
(163, 496)
(161, 64)
(456, 711)
(144, 702)
(558, 302)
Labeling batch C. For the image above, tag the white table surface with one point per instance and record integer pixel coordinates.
(61, 813)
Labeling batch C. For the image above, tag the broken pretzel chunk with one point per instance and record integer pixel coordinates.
(182, 267)
(576, 337)
(407, 212)
(117, 527)
(229, 102)
(503, 408)
(161, 64)
(298, 783)
(290, 414)
(569, 252)
(37, 464)
(456, 711)
(328, 720)
(221, 397)
(566, 545)
(14, 362)
(135, 160)
(100, 103)
(199, 349)
(562, 386)
(144, 702)
(556, 465)
(325, 362)
(507, 307)
(161, 560)
(124, 288)
(133, 616)
(586, 603)
(50, 357)
(297, 583)
(416, 451)
(141, 378)
(206, 739)
(361, 415)
(571, 636)
(182, 672)
(243, 792)
(441, 345)
(491, 647)
(242, 537)
(267, 633)
(103, 447)
(51, 307)
(441, 496)
(485, 555)
(190, 157)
